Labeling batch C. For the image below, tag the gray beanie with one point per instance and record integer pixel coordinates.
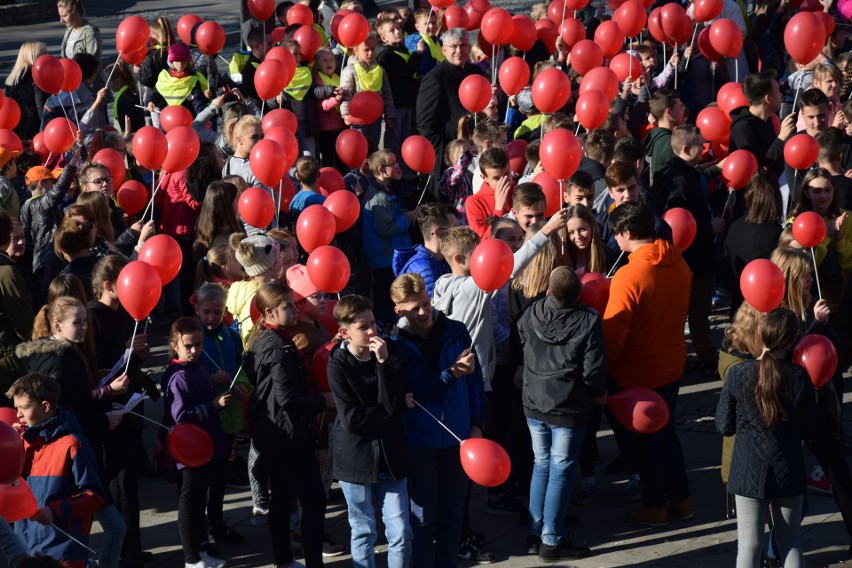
(257, 254)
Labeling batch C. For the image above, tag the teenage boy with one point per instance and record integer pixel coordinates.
(307, 174)
(623, 187)
(668, 112)
(486, 135)
(426, 24)
(814, 114)
(63, 472)
(580, 190)
(495, 196)
(598, 147)
(831, 149)
(426, 259)
(371, 453)
(564, 374)
(528, 205)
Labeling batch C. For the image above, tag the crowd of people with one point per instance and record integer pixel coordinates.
(374, 389)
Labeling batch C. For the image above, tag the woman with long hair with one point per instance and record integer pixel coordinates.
(583, 244)
(21, 88)
(218, 217)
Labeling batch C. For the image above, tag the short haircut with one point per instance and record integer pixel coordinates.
(635, 217)
(757, 85)
(431, 215)
(488, 131)
(384, 22)
(455, 35)
(211, 292)
(686, 135)
(582, 181)
(88, 167)
(619, 172)
(349, 306)
(555, 121)
(88, 63)
(830, 143)
(421, 13)
(600, 145)
(37, 386)
(564, 286)
(377, 160)
(307, 170)
(628, 150)
(813, 98)
(256, 36)
(106, 269)
(406, 285)
(827, 70)
(458, 240)
(527, 194)
(531, 152)
(661, 101)
(495, 158)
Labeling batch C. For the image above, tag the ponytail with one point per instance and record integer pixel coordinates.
(41, 324)
(779, 331)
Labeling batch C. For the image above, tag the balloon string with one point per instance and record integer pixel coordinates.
(562, 201)
(206, 354)
(146, 109)
(816, 273)
(151, 202)
(736, 70)
(132, 337)
(795, 99)
(111, 71)
(675, 82)
(60, 531)
(423, 193)
(614, 266)
(437, 420)
(49, 156)
(74, 106)
(280, 196)
(686, 65)
(576, 132)
(262, 107)
(728, 202)
(68, 120)
(160, 424)
(237, 374)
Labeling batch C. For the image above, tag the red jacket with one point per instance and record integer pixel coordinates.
(480, 206)
(178, 210)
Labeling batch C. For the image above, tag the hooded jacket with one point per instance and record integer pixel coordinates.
(419, 260)
(644, 318)
(179, 210)
(369, 435)
(240, 294)
(749, 132)
(384, 227)
(564, 362)
(658, 147)
(62, 471)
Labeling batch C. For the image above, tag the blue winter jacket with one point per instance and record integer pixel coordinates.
(419, 260)
(385, 226)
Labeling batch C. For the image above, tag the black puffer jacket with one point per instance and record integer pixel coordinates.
(41, 216)
(766, 462)
(282, 411)
(756, 135)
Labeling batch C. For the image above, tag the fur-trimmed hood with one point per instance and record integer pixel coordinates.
(42, 346)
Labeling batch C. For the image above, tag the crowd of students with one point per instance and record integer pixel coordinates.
(375, 391)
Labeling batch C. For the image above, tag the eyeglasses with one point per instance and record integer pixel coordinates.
(100, 181)
(457, 46)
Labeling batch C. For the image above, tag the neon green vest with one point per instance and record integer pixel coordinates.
(176, 90)
(370, 80)
(434, 48)
(300, 84)
(118, 94)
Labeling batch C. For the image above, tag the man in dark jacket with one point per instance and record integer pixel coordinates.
(564, 374)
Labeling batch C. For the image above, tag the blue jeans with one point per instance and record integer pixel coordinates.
(556, 450)
(393, 495)
(113, 527)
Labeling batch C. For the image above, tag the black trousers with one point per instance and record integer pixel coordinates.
(192, 496)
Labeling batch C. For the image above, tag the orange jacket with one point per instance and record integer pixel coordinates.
(643, 322)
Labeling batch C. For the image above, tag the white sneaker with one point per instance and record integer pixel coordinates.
(259, 517)
(211, 561)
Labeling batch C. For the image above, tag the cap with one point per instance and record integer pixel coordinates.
(6, 155)
(298, 281)
(525, 102)
(38, 173)
(178, 52)
(257, 254)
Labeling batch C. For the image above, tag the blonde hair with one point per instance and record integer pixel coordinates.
(237, 182)
(162, 30)
(211, 292)
(795, 264)
(213, 264)
(234, 130)
(742, 333)
(458, 240)
(405, 285)
(57, 310)
(99, 206)
(27, 54)
(268, 297)
(535, 278)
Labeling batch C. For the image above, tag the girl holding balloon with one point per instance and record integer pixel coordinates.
(21, 88)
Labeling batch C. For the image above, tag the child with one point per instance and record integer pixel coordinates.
(61, 470)
(426, 24)
(584, 248)
(580, 190)
(9, 198)
(528, 205)
(180, 85)
(260, 257)
(495, 197)
(487, 134)
(280, 417)
(400, 65)
(831, 143)
(456, 183)
(363, 73)
(258, 43)
(668, 112)
(306, 332)
(297, 96)
(426, 259)
(308, 173)
(189, 399)
(371, 448)
(328, 95)
(530, 128)
(598, 147)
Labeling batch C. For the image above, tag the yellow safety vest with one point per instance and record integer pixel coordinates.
(332, 81)
(175, 90)
(118, 94)
(406, 55)
(529, 125)
(321, 31)
(300, 84)
(434, 48)
(370, 80)
(238, 61)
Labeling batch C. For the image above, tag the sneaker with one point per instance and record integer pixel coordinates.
(259, 517)
(473, 552)
(504, 505)
(533, 544)
(682, 509)
(211, 561)
(331, 548)
(656, 517)
(585, 494)
(633, 492)
(565, 549)
(818, 482)
(225, 534)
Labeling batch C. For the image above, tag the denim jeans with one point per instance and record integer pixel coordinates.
(113, 527)
(393, 495)
(556, 451)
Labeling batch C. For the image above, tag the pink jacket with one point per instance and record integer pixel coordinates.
(178, 210)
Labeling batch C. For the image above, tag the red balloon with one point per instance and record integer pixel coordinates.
(706, 10)
(175, 115)
(827, 21)
(551, 90)
(491, 264)
(523, 33)
(630, 17)
(114, 162)
(284, 56)
(585, 56)
(572, 32)
(315, 228)
(351, 147)
(38, 146)
(455, 17)
(210, 38)
(817, 354)
(762, 285)
(516, 152)
(438, 4)
(625, 66)
(72, 75)
(59, 135)
(269, 78)
(475, 93)
(801, 151)
(279, 117)
(132, 196)
(609, 37)
(139, 288)
(328, 268)
(726, 37)
(485, 462)
(497, 26)
(184, 27)
(335, 22)
(48, 74)
(353, 30)
(557, 11)
(277, 35)
(10, 141)
(705, 47)
(132, 34)
(163, 253)
(714, 124)
(319, 364)
(10, 417)
(418, 154)
(595, 291)
(740, 167)
(267, 162)
(330, 181)
(256, 207)
(298, 14)
(327, 320)
(730, 96)
(345, 207)
(10, 114)
(287, 140)
(309, 40)
(12, 450)
(675, 23)
(366, 107)
(809, 229)
(133, 57)
(263, 9)
(474, 17)
(150, 147)
(17, 501)
(552, 192)
(190, 445)
(183, 147)
(601, 79)
(640, 410)
(592, 109)
(804, 37)
(560, 153)
(655, 26)
(683, 226)
(514, 75)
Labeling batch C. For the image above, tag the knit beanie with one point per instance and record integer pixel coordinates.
(178, 52)
(257, 254)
